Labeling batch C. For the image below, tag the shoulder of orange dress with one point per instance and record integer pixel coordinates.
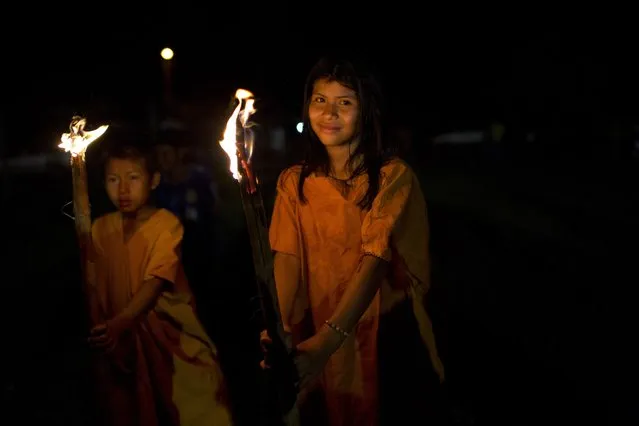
(168, 217)
(294, 170)
(396, 166)
(290, 176)
(105, 219)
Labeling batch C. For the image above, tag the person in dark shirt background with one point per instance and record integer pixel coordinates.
(188, 191)
(187, 188)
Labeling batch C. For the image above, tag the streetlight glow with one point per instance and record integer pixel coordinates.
(167, 54)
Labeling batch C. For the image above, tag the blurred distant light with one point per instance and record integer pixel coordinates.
(278, 139)
(530, 137)
(300, 127)
(167, 54)
(459, 137)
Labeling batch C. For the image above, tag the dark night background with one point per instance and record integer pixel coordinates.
(533, 238)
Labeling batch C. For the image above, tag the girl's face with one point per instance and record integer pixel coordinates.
(334, 113)
(128, 183)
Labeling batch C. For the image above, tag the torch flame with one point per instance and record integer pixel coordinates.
(77, 141)
(243, 111)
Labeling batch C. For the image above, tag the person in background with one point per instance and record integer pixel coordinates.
(187, 190)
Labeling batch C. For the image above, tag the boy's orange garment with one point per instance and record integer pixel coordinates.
(330, 234)
(166, 368)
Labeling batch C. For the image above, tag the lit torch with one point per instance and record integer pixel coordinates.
(76, 142)
(238, 145)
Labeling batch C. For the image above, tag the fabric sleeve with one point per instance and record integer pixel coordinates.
(283, 231)
(164, 260)
(387, 210)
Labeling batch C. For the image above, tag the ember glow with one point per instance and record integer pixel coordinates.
(229, 143)
(77, 141)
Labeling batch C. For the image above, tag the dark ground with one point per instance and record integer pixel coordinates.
(530, 296)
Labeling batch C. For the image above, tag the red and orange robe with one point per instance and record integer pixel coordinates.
(165, 371)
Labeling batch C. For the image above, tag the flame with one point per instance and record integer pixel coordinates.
(243, 111)
(77, 141)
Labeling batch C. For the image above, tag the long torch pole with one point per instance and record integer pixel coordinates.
(82, 214)
(76, 143)
(282, 369)
(283, 373)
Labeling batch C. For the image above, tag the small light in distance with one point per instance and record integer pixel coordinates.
(167, 54)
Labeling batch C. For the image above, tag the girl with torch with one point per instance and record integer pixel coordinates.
(350, 235)
(158, 365)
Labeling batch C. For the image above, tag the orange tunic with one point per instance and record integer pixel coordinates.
(165, 371)
(330, 234)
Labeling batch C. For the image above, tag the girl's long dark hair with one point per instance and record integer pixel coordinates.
(371, 148)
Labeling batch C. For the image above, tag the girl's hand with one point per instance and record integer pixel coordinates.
(265, 343)
(313, 354)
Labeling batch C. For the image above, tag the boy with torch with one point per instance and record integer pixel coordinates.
(156, 363)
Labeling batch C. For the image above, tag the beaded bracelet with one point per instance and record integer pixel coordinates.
(337, 328)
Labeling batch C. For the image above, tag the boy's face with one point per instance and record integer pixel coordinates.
(128, 183)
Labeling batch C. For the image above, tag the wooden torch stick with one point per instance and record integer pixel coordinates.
(76, 142)
(282, 371)
(82, 214)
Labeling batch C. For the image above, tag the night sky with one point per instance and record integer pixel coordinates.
(439, 72)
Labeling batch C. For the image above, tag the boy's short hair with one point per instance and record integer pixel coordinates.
(130, 144)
